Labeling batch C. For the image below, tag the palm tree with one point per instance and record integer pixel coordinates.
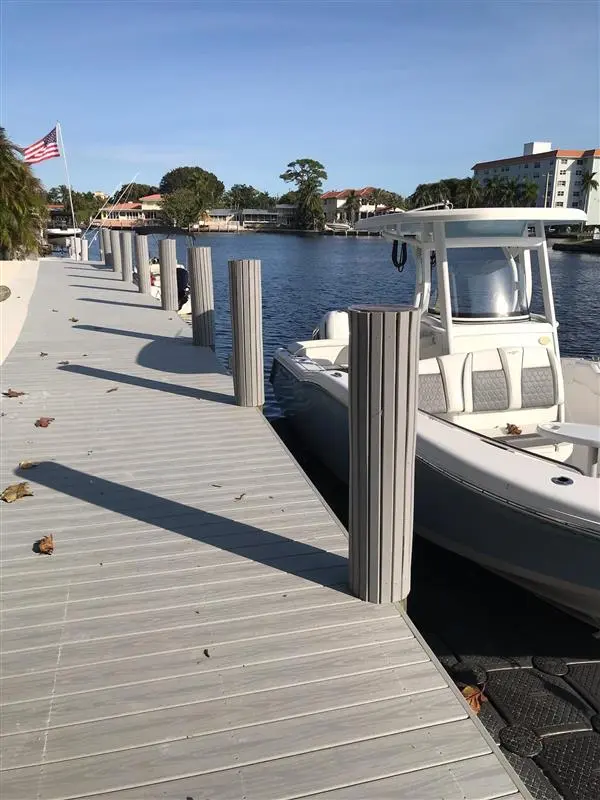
(588, 184)
(377, 198)
(352, 206)
(468, 193)
(528, 193)
(22, 204)
(310, 214)
(422, 196)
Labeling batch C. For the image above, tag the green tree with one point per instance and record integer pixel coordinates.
(308, 175)
(242, 196)
(468, 193)
(378, 198)
(351, 207)
(393, 200)
(305, 172)
(528, 193)
(134, 192)
(182, 208)
(588, 184)
(203, 183)
(288, 198)
(22, 204)
(423, 195)
(310, 215)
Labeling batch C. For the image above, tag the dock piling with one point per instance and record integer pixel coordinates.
(383, 367)
(126, 256)
(202, 296)
(142, 260)
(245, 298)
(168, 274)
(106, 247)
(115, 248)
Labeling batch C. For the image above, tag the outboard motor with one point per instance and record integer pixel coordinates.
(183, 286)
(333, 325)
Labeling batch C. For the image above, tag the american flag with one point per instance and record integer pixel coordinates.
(42, 149)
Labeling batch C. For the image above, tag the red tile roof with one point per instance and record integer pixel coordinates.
(55, 207)
(124, 206)
(538, 156)
(344, 193)
(151, 197)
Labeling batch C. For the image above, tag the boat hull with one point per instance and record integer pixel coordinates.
(545, 556)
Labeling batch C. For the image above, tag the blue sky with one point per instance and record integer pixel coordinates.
(383, 93)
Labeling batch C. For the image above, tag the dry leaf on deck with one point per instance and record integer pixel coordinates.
(45, 545)
(43, 422)
(28, 464)
(13, 393)
(63, 363)
(114, 389)
(241, 496)
(73, 319)
(43, 354)
(15, 492)
(474, 697)
(513, 430)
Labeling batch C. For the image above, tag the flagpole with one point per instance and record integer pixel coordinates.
(64, 155)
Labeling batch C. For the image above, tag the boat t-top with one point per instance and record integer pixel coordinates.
(508, 432)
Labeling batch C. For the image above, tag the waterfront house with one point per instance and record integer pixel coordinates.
(334, 204)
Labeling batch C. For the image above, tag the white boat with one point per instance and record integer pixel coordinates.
(338, 227)
(155, 287)
(508, 431)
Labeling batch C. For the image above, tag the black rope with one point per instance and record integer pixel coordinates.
(399, 262)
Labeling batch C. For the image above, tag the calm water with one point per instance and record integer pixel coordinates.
(303, 277)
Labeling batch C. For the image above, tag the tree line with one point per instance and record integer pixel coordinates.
(189, 191)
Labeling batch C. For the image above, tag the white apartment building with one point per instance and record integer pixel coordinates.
(557, 173)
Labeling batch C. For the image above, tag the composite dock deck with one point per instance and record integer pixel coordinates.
(192, 636)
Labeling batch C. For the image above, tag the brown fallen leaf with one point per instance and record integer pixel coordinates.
(73, 319)
(474, 697)
(206, 653)
(114, 389)
(43, 354)
(55, 310)
(13, 393)
(513, 430)
(15, 492)
(241, 496)
(43, 422)
(63, 363)
(217, 485)
(28, 464)
(45, 545)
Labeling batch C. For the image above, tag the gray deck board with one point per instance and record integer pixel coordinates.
(193, 634)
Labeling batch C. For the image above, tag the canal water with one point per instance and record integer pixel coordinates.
(305, 276)
(468, 615)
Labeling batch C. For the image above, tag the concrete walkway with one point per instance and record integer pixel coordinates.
(192, 635)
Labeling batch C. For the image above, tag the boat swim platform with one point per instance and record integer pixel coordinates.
(192, 635)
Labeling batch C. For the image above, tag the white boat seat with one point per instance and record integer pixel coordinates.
(486, 390)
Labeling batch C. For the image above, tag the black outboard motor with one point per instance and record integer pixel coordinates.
(183, 286)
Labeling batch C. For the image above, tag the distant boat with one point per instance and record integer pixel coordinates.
(62, 233)
(338, 227)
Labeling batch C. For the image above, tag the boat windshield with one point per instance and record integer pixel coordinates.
(484, 283)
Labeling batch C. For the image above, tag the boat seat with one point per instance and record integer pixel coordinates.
(487, 390)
